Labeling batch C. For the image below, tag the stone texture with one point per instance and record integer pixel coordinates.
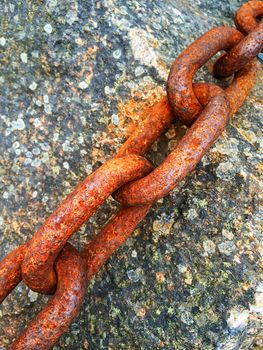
(189, 277)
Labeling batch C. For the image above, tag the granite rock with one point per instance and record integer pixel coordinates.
(190, 276)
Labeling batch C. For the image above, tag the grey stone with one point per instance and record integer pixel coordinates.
(190, 275)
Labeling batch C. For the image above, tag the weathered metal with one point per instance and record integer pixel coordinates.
(246, 18)
(77, 207)
(10, 271)
(241, 54)
(48, 325)
(179, 86)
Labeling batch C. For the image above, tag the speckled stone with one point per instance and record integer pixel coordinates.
(189, 277)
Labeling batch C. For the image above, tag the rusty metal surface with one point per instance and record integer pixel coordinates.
(80, 204)
(10, 271)
(46, 327)
(112, 236)
(179, 86)
(241, 54)
(183, 159)
(246, 17)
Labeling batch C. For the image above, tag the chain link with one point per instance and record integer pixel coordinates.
(47, 263)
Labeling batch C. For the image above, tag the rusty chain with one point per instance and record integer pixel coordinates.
(47, 263)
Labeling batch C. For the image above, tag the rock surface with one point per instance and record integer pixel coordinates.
(74, 75)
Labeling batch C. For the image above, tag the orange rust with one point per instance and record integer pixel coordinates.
(179, 86)
(76, 208)
(158, 119)
(111, 237)
(247, 15)
(10, 271)
(50, 323)
(241, 54)
(182, 160)
(132, 112)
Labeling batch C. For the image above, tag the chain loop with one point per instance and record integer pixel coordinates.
(46, 328)
(241, 54)
(179, 86)
(10, 271)
(77, 208)
(246, 17)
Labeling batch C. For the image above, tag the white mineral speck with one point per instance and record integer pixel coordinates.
(192, 214)
(55, 136)
(32, 296)
(46, 99)
(72, 16)
(36, 162)
(144, 48)
(133, 275)
(66, 165)
(48, 28)
(2, 41)
(83, 85)
(36, 151)
(134, 254)
(33, 86)
(48, 109)
(139, 71)
(66, 146)
(35, 54)
(1, 221)
(18, 124)
(23, 57)
(81, 139)
(238, 319)
(29, 154)
(229, 235)
(107, 90)
(37, 122)
(5, 195)
(115, 119)
(38, 103)
(182, 268)
(117, 54)
(45, 199)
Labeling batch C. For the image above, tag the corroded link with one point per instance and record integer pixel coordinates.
(241, 86)
(246, 16)
(241, 54)
(112, 236)
(76, 209)
(45, 329)
(123, 223)
(183, 159)
(179, 86)
(157, 119)
(237, 91)
(10, 271)
(159, 182)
